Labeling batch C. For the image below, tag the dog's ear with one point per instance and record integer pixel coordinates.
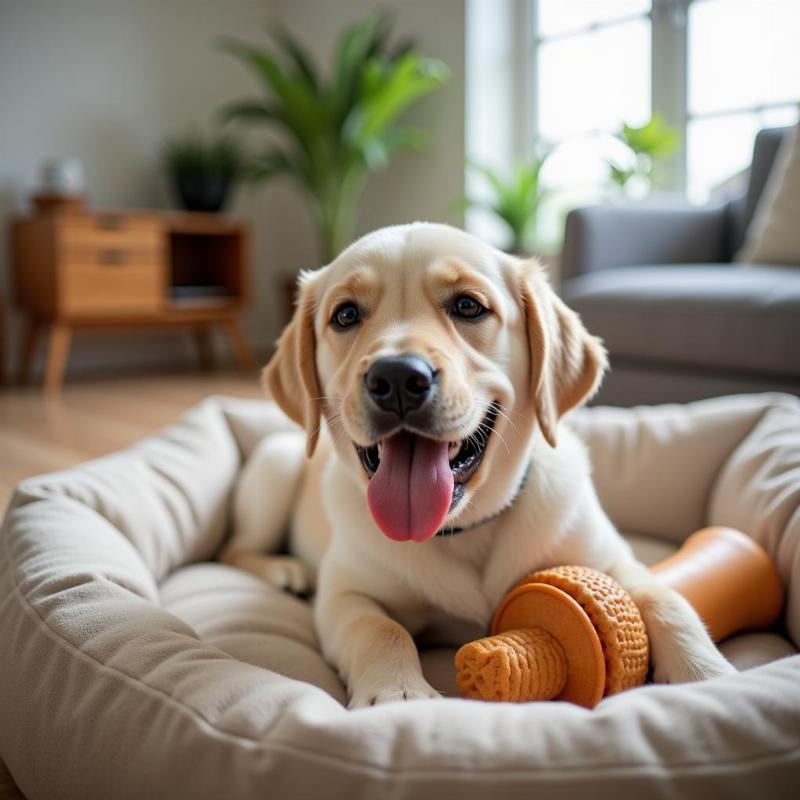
(567, 363)
(290, 377)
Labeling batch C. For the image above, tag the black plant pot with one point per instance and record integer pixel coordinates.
(200, 191)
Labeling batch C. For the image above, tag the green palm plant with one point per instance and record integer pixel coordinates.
(515, 199)
(336, 129)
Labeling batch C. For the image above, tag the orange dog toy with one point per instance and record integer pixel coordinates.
(572, 633)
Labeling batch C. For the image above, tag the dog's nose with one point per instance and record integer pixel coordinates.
(400, 383)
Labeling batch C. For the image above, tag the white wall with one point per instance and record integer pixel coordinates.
(107, 81)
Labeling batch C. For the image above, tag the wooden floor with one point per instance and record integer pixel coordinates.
(93, 417)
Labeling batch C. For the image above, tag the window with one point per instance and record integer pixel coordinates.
(716, 70)
(585, 80)
(743, 75)
(724, 69)
(592, 68)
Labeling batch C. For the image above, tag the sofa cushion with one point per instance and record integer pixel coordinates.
(709, 316)
(774, 236)
(742, 210)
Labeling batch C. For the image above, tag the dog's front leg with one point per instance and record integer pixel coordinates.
(374, 654)
(680, 648)
(262, 505)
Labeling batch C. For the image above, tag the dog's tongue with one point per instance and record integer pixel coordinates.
(410, 494)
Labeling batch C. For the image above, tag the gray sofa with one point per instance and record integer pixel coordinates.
(680, 321)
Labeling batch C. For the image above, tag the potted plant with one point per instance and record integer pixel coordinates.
(515, 199)
(336, 129)
(646, 148)
(203, 169)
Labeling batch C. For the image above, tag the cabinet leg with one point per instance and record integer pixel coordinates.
(239, 344)
(30, 341)
(60, 336)
(205, 349)
(2, 342)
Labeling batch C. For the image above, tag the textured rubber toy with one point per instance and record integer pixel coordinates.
(572, 633)
(516, 666)
(574, 628)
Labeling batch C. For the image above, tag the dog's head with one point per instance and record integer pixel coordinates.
(431, 357)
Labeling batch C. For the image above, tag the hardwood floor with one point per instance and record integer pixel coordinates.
(40, 433)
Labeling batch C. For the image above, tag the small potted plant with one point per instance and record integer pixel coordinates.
(203, 169)
(515, 199)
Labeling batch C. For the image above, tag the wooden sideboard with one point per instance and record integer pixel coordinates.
(79, 270)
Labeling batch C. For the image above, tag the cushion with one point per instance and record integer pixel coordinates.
(774, 235)
(719, 317)
(134, 666)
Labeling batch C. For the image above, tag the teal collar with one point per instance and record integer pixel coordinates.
(445, 532)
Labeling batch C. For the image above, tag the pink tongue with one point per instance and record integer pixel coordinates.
(410, 494)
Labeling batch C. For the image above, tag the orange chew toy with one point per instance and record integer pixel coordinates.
(573, 633)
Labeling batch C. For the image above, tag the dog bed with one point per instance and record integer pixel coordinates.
(132, 665)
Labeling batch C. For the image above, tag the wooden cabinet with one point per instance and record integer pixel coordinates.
(78, 270)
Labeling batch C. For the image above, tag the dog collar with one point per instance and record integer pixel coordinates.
(445, 532)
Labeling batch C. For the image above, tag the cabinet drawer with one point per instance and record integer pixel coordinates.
(113, 257)
(108, 232)
(91, 286)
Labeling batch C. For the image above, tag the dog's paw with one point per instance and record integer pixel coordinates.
(287, 573)
(680, 648)
(699, 666)
(284, 572)
(365, 696)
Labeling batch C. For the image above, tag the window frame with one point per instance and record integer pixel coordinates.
(669, 77)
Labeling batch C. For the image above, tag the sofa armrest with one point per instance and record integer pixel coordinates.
(599, 237)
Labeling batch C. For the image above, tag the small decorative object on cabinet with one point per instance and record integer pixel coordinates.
(99, 270)
(62, 187)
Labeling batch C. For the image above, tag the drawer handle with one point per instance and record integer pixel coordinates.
(112, 257)
(110, 222)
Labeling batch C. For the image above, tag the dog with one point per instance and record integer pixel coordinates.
(429, 373)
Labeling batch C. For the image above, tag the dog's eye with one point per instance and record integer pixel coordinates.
(467, 307)
(346, 314)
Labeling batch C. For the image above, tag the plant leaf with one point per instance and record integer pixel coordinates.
(405, 136)
(399, 85)
(495, 181)
(250, 110)
(620, 175)
(205, 155)
(355, 47)
(297, 54)
(269, 165)
(299, 109)
(515, 200)
(654, 138)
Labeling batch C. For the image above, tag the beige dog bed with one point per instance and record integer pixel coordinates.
(133, 666)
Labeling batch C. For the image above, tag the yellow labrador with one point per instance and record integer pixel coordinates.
(429, 373)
